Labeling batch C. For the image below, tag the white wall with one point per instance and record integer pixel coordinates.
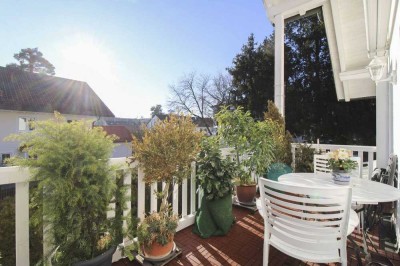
(122, 150)
(395, 97)
(9, 125)
(394, 63)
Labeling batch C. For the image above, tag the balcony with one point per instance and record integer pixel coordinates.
(242, 246)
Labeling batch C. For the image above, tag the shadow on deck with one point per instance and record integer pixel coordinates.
(243, 246)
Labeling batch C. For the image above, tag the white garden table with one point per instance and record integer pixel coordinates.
(364, 191)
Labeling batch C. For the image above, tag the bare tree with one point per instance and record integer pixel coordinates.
(200, 96)
(190, 96)
(220, 91)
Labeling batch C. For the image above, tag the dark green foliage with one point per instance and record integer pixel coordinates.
(156, 110)
(214, 174)
(69, 161)
(313, 110)
(253, 76)
(7, 231)
(32, 60)
(304, 161)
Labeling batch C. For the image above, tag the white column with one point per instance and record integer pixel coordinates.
(280, 63)
(383, 124)
(22, 223)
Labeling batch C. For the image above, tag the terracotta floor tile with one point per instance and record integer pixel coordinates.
(243, 245)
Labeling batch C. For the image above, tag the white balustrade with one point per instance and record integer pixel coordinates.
(20, 177)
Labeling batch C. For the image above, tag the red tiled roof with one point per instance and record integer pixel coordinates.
(123, 134)
(24, 91)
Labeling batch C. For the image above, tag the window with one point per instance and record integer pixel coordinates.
(24, 123)
(4, 156)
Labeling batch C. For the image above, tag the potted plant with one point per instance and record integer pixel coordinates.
(165, 154)
(214, 175)
(341, 164)
(73, 189)
(252, 145)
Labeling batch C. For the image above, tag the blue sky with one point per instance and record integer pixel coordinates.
(130, 51)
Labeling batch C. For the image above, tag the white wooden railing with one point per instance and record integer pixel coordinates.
(20, 177)
(367, 155)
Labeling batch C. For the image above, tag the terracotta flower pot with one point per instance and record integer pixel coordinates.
(157, 251)
(246, 194)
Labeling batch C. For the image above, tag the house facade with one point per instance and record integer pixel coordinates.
(122, 142)
(26, 97)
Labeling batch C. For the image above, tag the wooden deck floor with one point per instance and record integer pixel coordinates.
(243, 246)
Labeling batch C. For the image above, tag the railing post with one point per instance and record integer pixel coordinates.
(293, 156)
(193, 189)
(184, 197)
(22, 223)
(127, 182)
(175, 201)
(141, 194)
(153, 197)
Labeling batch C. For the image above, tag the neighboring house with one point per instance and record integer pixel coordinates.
(134, 125)
(201, 124)
(123, 141)
(28, 97)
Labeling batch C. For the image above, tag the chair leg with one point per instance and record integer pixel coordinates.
(266, 253)
(343, 254)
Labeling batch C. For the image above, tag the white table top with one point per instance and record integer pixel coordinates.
(364, 191)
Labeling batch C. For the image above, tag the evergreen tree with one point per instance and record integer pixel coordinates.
(156, 110)
(253, 76)
(313, 109)
(32, 60)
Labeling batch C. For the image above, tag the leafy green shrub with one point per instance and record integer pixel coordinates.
(304, 161)
(69, 161)
(251, 141)
(214, 173)
(282, 138)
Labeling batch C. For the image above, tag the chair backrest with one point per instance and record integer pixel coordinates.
(391, 169)
(306, 219)
(356, 172)
(321, 163)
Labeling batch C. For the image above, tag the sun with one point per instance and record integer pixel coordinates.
(87, 57)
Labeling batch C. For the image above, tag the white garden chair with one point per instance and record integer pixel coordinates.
(306, 223)
(321, 165)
